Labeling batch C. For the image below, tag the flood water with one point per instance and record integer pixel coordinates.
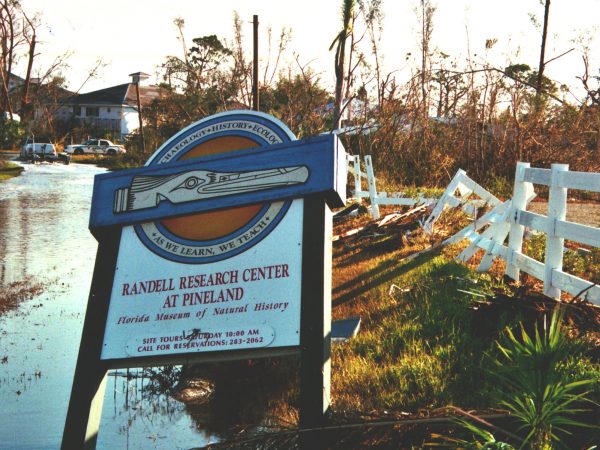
(44, 235)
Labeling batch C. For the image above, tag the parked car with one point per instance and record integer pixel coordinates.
(96, 147)
(38, 148)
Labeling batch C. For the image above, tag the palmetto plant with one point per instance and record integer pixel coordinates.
(534, 385)
(481, 439)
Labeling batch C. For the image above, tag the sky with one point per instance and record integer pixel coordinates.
(131, 36)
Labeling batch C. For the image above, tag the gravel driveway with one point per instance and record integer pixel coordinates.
(584, 213)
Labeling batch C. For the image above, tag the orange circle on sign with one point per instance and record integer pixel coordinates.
(214, 224)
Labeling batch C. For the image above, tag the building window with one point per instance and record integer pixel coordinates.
(107, 110)
(92, 111)
(77, 110)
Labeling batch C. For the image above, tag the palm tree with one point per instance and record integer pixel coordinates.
(340, 58)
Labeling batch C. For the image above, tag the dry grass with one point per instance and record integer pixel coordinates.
(427, 323)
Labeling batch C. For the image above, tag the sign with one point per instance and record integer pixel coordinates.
(218, 248)
(211, 281)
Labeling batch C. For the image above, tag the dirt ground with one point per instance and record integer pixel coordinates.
(579, 212)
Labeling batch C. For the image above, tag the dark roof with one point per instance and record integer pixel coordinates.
(16, 77)
(123, 94)
(109, 96)
(147, 94)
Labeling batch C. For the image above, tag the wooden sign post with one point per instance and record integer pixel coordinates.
(218, 249)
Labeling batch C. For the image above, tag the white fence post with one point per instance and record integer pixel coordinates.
(557, 210)
(355, 160)
(372, 187)
(521, 192)
(357, 178)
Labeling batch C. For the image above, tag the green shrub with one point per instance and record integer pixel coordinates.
(573, 262)
(500, 186)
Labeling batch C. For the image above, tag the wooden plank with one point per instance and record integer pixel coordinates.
(354, 168)
(522, 194)
(529, 265)
(577, 232)
(575, 286)
(255, 175)
(439, 206)
(468, 232)
(494, 215)
(477, 189)
(536, 176)
(468, 252)
(463, 189)
(395, 217)
(387, 219)
(532, 220)
(452, 202)
(372, 187)
(497, 240)
(585, 181)
(396, 201)
(493, 247)
(348, 233)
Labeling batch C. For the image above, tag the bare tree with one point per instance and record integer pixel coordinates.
(18, 40)
(372, 12)
(542, 65)
(426, 12)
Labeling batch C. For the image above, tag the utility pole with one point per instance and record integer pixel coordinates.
(255, 98)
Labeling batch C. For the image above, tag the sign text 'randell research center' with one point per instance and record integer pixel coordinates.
(210, 253)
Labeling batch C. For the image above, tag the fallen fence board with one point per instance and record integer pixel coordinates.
(495, 215)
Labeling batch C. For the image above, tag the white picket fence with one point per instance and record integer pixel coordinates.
(511, 218)
(375, 197)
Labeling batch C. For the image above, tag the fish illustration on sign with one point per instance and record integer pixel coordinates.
(149, 191)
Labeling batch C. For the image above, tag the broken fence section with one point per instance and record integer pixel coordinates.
(511, 218)
(467, 189)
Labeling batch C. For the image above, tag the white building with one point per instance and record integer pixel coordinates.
(111, 109)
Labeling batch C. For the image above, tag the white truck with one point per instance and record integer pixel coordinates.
(96, 147)
(38, 148)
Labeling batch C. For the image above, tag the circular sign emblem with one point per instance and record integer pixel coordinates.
(216, 235)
